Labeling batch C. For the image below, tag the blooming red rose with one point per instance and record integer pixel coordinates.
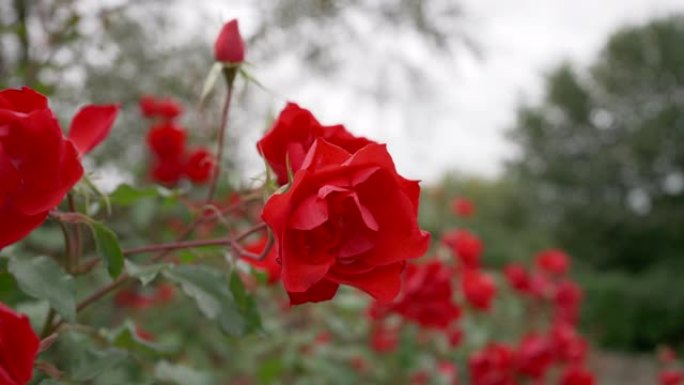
(465, 245)
(479, 289)
(269, 264)
(229, 46)
(577, 375)
(534, 356)
(200, 166)
(518, 278)
(493, 365)
(18, 347)
(463, 207)
(167, 141)
(293, 134)
(671, 377)
(152, 107)
(38, 165)
(553, 261)
(427, 296)
(346, 219)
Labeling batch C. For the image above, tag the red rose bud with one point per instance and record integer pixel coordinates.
(229, 46)
(463, 207)
(455, 337)
(293, 134)
(670, 377)
(19, 346)
(38, 165)
(553, 261)
(167, 141)
(534, 356)
(577, 375)
(479, 289)
(427, 297)
(518, 278)
(152, 107)
(346, 219)
(494, 364)
(200, 166)
(167, 172)
(464, 245)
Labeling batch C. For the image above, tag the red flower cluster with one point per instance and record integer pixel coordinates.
(465, 246)
(669, 374)
(427, 298)
(18, 347)
(347, 216)
(167, 141)
(38, 165)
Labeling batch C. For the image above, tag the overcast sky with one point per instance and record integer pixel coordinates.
(462, 126)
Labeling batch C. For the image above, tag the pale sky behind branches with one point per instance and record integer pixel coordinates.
(459, 120)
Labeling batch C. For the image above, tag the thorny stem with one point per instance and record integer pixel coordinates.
(164, 250)
(230, 74)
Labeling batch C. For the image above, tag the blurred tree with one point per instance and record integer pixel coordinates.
(602, 163)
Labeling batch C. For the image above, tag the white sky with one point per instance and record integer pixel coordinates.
(462, 125)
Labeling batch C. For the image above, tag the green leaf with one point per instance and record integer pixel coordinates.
(96, 362)
(108, 245)
(127, 338)
(43, 278)
(147, 273)
(245, 303)
(182, 374)
(125, 195)
(211, 293)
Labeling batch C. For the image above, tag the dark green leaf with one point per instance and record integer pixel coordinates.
(43, 278)
(96, 362)
(245, 303)
(147, 273)
(209, 288)
(108, 245)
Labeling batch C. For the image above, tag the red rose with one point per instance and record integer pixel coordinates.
(577, 375)
(427, 296)
(269, 264)
(517, 277)
(293, 134)
(479, 289)
(455, 337)
(229, 46)
(152, 107)
(200, 166)
(167, 171)
(567, 298)
(18, 347)
(534, 356)
(346, 219)
(465, 245)
(567, 344)
(671, 377)
(493, 365)
(463, 207)
(167, 141)
(38, 166)
(553, 261)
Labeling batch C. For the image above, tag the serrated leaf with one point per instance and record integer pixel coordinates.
(210, 82)
(126, 337)
(245, 303)
(43, 278)
(108, 245)
(182, 374)
(95, 362)
(147, 273)
(212, 294)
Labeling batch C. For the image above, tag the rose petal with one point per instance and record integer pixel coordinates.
(91, 125)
